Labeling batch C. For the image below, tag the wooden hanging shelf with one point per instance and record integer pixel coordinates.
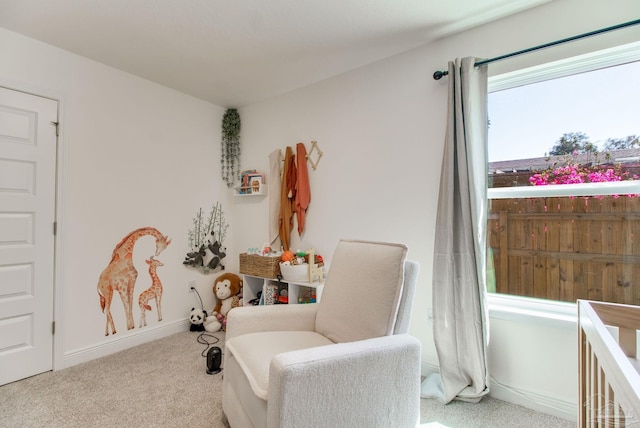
(314, 148)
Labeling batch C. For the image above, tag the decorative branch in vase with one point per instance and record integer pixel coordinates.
(206, 239)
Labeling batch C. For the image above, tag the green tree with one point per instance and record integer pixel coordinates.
(573, 142)
(629, 142)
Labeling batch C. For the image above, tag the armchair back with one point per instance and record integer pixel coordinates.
(364, 291)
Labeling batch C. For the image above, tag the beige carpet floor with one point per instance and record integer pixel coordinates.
(164, 384)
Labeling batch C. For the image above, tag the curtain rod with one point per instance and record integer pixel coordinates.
(439, 74)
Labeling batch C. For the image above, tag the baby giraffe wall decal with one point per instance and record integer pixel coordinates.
(120, 275)
(152, 293)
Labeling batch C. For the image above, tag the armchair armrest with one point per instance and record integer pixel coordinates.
(252, 319)
(318, 385)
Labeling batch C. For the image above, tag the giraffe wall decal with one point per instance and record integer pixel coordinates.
(120, 275)
(152, 293)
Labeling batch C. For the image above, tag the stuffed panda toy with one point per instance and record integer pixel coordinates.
(197, 318)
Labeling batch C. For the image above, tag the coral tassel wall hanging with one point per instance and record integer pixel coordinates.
(230, 145)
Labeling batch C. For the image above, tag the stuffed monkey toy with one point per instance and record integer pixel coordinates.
(228, 290)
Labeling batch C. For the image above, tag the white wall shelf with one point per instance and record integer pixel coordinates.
(251, 190)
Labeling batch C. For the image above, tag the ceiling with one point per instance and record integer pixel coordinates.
(237, 52)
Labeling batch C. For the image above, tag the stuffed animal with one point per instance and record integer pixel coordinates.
(197, 318)
(211, 324)
(228, 290)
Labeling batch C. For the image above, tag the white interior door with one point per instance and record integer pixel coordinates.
(27, 212)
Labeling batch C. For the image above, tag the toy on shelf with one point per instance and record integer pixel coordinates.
(303, 266)
(314, 268)
(287, 256)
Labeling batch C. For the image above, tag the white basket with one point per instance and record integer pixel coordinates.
(295, 273)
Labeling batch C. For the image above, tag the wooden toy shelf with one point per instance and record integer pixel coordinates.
(295, 290)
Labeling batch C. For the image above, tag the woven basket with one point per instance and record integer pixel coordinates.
(262, 266)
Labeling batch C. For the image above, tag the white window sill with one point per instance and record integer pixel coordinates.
(630, 187)
(532, 311)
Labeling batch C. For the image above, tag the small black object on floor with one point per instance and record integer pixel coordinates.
(214, 359)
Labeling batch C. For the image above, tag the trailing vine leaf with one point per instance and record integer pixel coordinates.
(230, 147)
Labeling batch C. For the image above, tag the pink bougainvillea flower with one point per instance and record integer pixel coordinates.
(574, 173)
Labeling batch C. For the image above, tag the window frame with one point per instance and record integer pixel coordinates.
(540, 311)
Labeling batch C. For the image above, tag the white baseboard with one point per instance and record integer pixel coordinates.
(78, 356)
(428, 368)
(532, 400)
(550, 405)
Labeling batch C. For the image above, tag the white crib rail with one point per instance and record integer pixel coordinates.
(609, 379)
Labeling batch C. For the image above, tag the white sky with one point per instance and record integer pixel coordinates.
(527, 121)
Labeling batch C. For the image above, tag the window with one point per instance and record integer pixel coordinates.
(574, 121)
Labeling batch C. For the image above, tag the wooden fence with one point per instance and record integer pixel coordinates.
(566, 249)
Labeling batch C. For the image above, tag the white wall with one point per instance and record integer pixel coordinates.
(381, 129)
(134, 154)
(137, 154)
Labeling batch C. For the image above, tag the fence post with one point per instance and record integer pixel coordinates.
(503, 272)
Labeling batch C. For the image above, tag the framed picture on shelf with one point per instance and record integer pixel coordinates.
(244, 180)
(255, 184)
(251, 183)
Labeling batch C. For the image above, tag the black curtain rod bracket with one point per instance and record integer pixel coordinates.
(440, 74)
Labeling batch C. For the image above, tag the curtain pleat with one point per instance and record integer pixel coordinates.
(460, 319)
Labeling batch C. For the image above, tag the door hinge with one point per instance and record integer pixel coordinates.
(55, 228)
(53, 328)
(57, 125)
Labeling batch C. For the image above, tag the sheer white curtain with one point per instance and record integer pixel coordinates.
(460, 321)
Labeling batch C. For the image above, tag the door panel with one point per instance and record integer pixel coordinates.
(27, 212)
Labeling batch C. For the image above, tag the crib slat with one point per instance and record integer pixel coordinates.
(609, 385)
(583, 345)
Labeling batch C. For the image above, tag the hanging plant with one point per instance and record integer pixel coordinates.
(230, 156)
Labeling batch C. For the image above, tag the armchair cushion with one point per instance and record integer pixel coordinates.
(253, 319)
(368, 306)
(254, 352)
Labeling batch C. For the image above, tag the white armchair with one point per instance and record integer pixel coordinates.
(343, 362)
